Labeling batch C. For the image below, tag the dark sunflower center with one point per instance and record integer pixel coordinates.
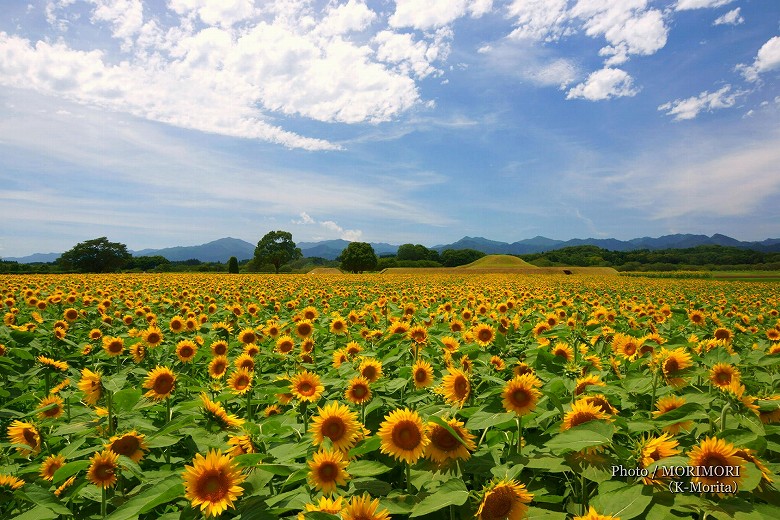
(420, 375)
(327, 472)
(444, 440)
(153, 337)
(213, 487)
(125, 446)
(29, 437)
(485, 335)
(334, 428)
(359, 391)
(163, 384)
(497, 505)
(461, 387)
(104, 471)
(520, 397)
(242, 382)
(723, 377)
(369, 372)
(186, 352)
(304, 329)
(406, 435)
(582, 417)
(305, 388)
(671, 365)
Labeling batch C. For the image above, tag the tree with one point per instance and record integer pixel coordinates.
(277, 248)
(95, 256)
(358, 257)
(456, 257)
(233, 265)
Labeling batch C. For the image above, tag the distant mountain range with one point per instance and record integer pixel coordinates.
(221, 250)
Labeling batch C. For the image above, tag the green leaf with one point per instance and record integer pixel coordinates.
(69, 469)
(366, 446)
(114, 383)
(37, 513)
(626, 502)
(441, 422)
(587, 435)
(159, 493)
(481, 420)
(44, 497)
(451, 493)
(537, 513)
(686, 412)
(367, 468)
(125, 400)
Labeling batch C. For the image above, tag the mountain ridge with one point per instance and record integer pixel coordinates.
(222, 249)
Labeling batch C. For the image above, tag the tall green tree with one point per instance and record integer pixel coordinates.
(358, 257)
(95, 256)
(276, 248)
(233, 265)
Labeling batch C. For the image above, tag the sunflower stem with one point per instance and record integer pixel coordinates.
(363, 413)
(103, 501)
(584, 490)
(167, 410)
(652, 396)
(249, 405)
(723, 416)
(110, 405)
(519, 421)
(46, 381)
(408, 478)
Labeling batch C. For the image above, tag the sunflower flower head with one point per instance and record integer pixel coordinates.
(403, 435)
(213, 482)
(504, 500)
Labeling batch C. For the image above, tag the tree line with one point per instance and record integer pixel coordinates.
(277, 252)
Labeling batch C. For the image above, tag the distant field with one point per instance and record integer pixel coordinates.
(763, 276)
(493, 261)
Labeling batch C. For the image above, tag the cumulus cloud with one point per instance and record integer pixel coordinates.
(345, 234)
(604, 84)
(543, 20)
(433, 14)
(684, 5)
(232, 68)
(733, 17)
(767, 59)
(683, 109)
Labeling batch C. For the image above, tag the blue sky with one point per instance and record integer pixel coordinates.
(178, 122)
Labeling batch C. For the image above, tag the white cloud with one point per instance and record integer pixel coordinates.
(345, 234)
(604, 84)
(733, 17)
(433, 14)
(411, 55)
(628, 26)
(683, 109)
(767, 59)
(544, 20)
(683, 5)
(240, 71)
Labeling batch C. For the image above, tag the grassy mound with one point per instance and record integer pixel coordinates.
(498, 261)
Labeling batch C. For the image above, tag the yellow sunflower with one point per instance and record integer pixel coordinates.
(422, 374)
(584, 382)
(138, 351)
(152, 336)
(24, 434)
(455, 386)
(219, 348)
(245, 361)
(247, 336)
(667, 404)
(306, 386)
(371, 369)
(91, 386)
(338, 325)
(131, 444)
(497, 363)
(177, 324)
(103, 468)
(59, 365)
(504, 500)
(327, 469)
(403, 435)
(50, 465)
(723, 334)
(10, 482)
(520, 395)
(338, 423)
(363, 508)
(594, 515)
(216, 412)
(241, 444)
(583, 411)
(418, 334)
(240, 381)
(51, 407)
(672, 363)
(654, 449)
(358, 390)
(113, 346)
(444, 446)
(160, 382)
(213, 482)
(563, 350)
(722, 374)
(325, 505)
(483, 334)
(285, 344)
(304, 329)
(186, 350)
(218, 366)
(717, 464)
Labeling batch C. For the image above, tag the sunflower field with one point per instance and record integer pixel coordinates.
(372, 397)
